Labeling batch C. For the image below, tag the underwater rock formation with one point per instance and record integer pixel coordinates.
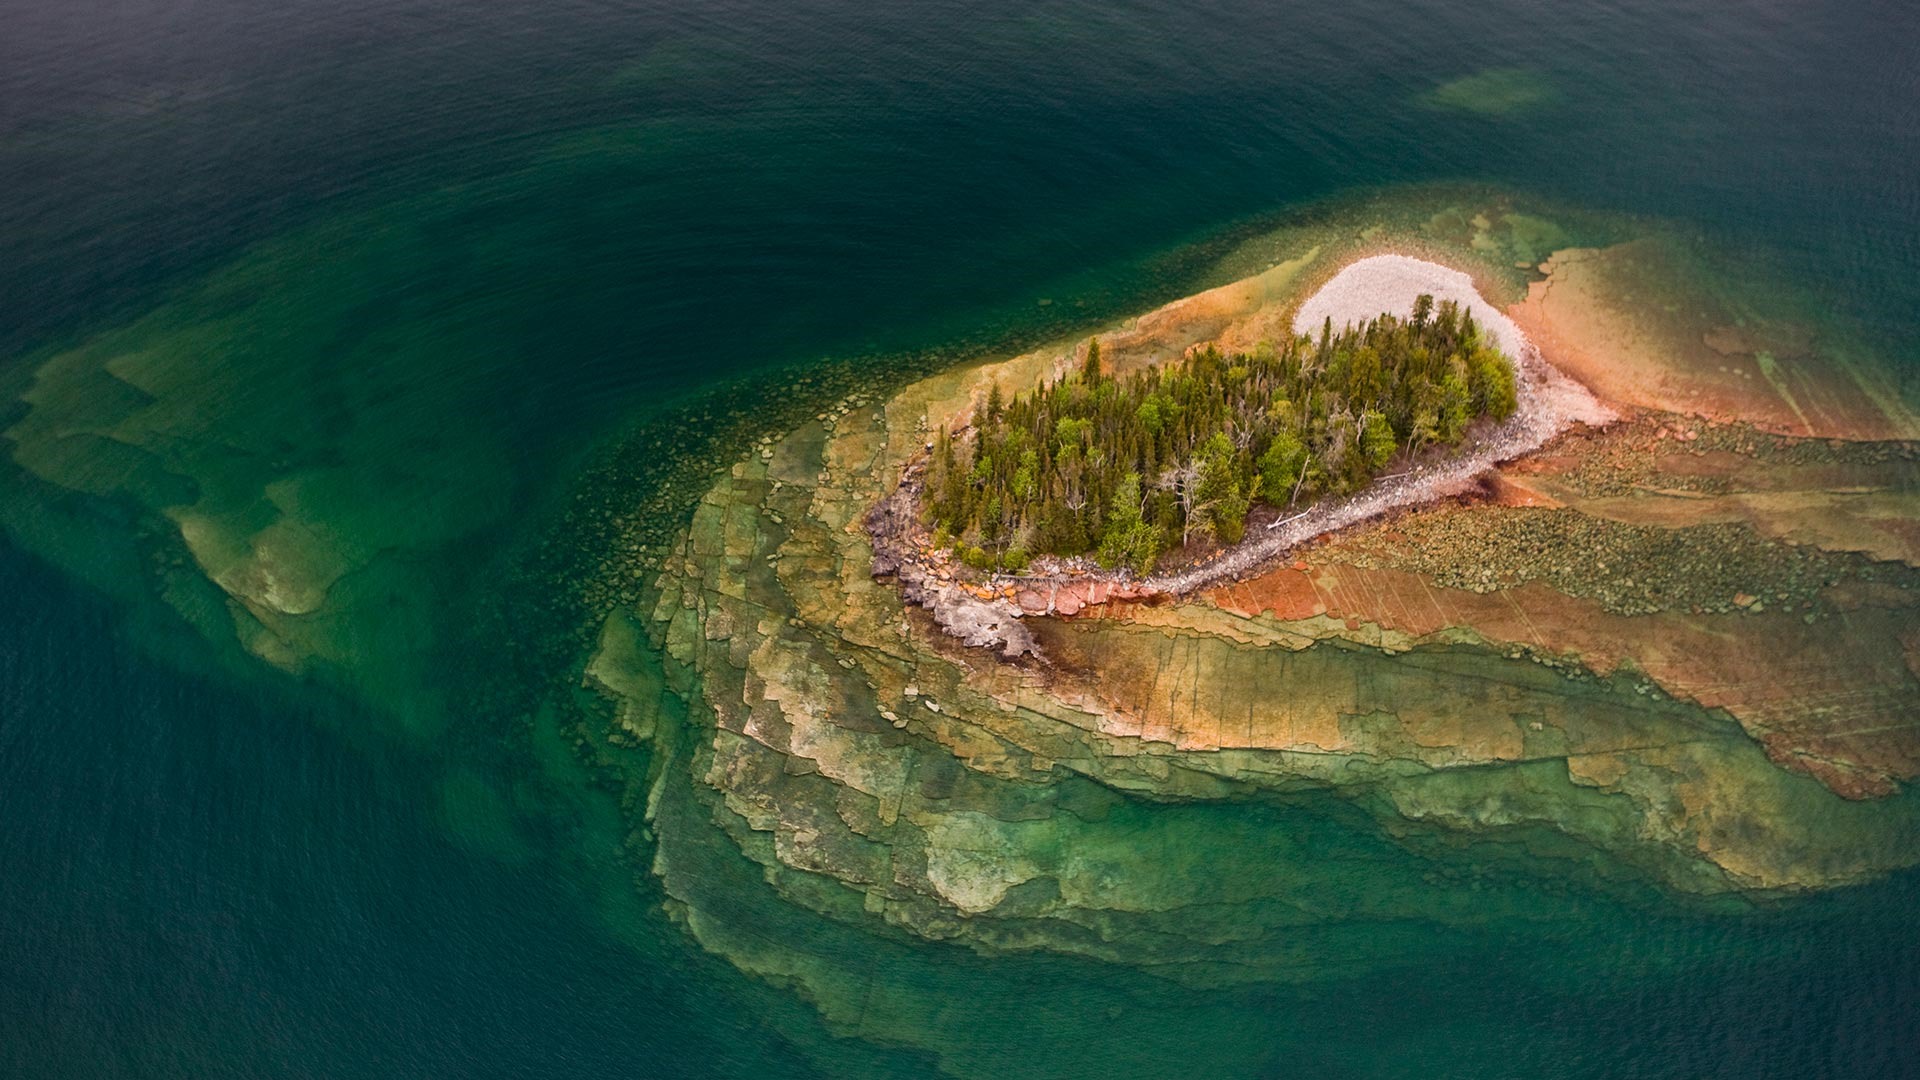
(1672, 655)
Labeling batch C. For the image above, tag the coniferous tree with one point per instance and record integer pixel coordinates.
(1060, 469)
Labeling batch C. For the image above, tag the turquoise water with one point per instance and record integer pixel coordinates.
(492, 270)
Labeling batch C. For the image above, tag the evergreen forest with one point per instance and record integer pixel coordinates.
(1128, 468)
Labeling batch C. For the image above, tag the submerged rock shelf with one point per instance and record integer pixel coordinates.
(1180, 784)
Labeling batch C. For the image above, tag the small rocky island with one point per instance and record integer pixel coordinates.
(1124, 485)
(1653, 643)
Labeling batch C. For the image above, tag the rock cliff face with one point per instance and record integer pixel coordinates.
(1667, 662)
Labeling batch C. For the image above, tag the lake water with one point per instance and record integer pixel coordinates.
(444, 282)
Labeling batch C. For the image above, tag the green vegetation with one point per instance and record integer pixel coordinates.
(1126, 468)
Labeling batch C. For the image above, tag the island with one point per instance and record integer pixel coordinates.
(1159, 480)
(1647, 644)
(1653, 645)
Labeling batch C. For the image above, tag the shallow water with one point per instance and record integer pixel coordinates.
(450, 288)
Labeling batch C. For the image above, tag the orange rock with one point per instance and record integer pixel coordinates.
(1514, 491)
(1831, 699)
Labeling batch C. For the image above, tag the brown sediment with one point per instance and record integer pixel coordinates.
(1831, 697)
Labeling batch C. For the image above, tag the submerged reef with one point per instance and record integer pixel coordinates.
(1664, 660)
(1500, 93)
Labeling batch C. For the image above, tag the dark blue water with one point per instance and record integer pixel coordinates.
(245, 895)
(478, 242)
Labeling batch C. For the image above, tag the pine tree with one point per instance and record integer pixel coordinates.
(1045, 471)
(1376, 441)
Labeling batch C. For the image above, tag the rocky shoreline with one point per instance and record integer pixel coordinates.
(987, 614)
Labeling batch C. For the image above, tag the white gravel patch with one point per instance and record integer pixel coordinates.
(1388, 285)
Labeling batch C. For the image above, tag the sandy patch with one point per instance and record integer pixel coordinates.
(1389, 284)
